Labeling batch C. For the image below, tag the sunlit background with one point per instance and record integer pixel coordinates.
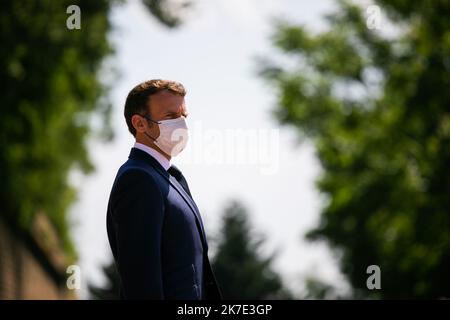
(352, 128)
(214, 54)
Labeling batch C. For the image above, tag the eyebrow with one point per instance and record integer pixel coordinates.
(171, 113)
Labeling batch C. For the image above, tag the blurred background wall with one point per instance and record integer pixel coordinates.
(33, 264)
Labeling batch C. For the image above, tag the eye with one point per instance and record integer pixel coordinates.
(172, 115)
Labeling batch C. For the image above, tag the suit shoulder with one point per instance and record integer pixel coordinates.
(137, 172)
(135, 175)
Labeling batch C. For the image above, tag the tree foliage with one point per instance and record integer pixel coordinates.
(51, 89)
(167, 12)
(376, 104)
(241, 271)
(111, 288)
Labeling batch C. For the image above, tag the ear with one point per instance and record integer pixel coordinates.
(139, 123)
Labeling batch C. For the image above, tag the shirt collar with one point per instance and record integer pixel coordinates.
(155, 154)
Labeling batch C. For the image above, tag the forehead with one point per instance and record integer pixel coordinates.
(166, 101)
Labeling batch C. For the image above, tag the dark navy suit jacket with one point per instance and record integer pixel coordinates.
(156, 235)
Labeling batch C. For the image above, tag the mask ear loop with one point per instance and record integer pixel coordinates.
(149, 119)
(149, 136)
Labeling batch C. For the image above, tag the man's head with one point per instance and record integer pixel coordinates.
(150, 102)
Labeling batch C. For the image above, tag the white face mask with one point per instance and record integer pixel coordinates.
(173, 135)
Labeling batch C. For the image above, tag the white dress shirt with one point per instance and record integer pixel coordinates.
(155, 154)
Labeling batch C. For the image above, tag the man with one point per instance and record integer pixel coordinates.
(154, 226)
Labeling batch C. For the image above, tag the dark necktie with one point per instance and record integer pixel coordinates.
(173, 171)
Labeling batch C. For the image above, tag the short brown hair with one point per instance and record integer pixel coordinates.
(138, 97)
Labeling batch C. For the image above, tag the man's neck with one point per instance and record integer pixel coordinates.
(153, 146)
(153, 152)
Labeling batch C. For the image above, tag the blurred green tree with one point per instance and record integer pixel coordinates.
(51, 89)
(376, 104)
(317, 289)
(241, 271)
(168, 13)
(110, 290)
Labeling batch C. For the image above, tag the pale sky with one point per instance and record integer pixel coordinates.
(213, 54)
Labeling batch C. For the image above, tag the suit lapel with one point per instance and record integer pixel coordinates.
(190, 202)
(177, 186)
